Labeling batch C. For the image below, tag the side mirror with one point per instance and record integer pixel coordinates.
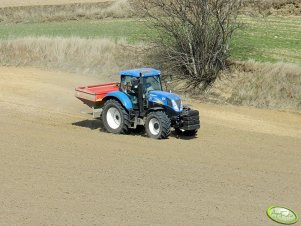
(135, 84)
(168, 82)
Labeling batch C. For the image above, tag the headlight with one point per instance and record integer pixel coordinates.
(181, 106)
(174, 105)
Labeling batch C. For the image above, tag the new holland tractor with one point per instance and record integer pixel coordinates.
(139, 100)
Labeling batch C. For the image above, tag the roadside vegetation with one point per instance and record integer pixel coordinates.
(266, 85)
(261, 85)
(265, 58)
(78, 55)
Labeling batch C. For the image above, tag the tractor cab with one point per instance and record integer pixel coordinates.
(144, 88)
(140, 82)
(130, 80)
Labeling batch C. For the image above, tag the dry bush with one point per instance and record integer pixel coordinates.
(77, 11)
(262, 85)
(194, 36)
(84, 56)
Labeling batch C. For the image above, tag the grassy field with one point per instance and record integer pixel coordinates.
(129, 29)
(275, 39)
(272, 39)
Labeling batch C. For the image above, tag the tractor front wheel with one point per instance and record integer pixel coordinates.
(115, 118)
(158, 125)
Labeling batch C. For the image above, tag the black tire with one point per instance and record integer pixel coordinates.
(157, 125)
(124, 120)
(187, 133)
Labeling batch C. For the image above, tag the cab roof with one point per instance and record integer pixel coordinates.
(146, 72)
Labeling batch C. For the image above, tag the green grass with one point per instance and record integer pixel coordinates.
(265, 40)
(132, 30)
(268, 40)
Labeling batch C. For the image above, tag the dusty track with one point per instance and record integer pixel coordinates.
(58, 168)
(8, 3)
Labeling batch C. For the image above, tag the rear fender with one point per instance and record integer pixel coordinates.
(122, 97)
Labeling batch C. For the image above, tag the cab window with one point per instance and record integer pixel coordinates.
(152, 83)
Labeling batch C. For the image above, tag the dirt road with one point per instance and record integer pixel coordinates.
(8, 3)
(58, 167)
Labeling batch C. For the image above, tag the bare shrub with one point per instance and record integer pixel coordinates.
(76, 11)
(194, 35)
(84, 56)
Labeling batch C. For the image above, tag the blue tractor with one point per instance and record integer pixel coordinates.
(139, 100)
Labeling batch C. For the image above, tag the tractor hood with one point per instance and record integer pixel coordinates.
(167, 99)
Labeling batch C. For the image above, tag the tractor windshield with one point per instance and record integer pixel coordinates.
(152, 83)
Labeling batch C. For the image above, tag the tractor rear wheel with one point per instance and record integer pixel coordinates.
(115, 118)
(158, 125)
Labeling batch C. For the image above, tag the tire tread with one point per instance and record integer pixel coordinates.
(165, 123)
